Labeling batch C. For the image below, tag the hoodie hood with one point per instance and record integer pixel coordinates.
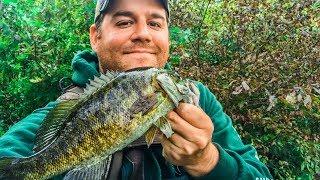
(85, 66)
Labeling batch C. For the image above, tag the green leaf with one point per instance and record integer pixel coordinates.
(9, 1)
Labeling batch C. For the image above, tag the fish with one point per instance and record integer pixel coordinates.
(80, 134)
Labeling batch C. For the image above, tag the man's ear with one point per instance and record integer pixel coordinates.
(94, 36)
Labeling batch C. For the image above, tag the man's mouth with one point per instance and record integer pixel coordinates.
(139, 51)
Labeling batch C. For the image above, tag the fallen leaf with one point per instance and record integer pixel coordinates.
(307, 100)
(299, 98)
(245, 86)
(291, 98)
(272, 100)
(237, 90)
(316, 89)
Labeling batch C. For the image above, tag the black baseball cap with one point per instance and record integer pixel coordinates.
(102, 7)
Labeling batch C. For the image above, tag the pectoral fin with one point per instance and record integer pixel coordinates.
(164, 125)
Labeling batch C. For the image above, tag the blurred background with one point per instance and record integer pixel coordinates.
(260, 58)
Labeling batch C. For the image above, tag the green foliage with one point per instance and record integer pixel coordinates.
(38, 40)
(284, 136)
(272, 47)
(261, 58)
(2, 130)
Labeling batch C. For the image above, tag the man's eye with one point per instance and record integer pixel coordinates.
(155, 24)
(124, 23)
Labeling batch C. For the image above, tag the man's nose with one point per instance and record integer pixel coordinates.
(141, 33)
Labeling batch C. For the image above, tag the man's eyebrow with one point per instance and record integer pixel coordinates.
(130, 14)
(158, 16)
(122, 13)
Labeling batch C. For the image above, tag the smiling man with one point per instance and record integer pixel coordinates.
(130, 34)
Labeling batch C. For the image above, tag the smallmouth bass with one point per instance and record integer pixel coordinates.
(80, 135)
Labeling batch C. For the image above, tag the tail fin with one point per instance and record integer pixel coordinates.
(6, 168)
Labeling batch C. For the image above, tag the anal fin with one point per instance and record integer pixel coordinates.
(91, 170)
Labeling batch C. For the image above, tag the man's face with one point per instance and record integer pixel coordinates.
(134, 33)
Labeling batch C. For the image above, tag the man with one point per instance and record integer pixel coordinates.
(134, 33)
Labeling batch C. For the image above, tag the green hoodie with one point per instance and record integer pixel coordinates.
(236, 161)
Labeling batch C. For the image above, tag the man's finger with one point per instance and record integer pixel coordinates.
(182, 127)
(170, 151)
(194, 115)
(172, 157)
(186, 146)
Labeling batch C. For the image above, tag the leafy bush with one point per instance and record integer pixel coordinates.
(260, 58)
(38, 40)
(266, 69)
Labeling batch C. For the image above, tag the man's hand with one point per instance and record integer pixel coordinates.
(190, 146)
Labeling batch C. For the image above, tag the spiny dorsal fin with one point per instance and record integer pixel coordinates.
(98, 82)
(109, 76)
(95, 83)
(56, 118)
(53, 122)
(98, 79)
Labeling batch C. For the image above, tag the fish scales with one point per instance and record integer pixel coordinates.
(97, 125)
(91, 146)
(89, 143)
